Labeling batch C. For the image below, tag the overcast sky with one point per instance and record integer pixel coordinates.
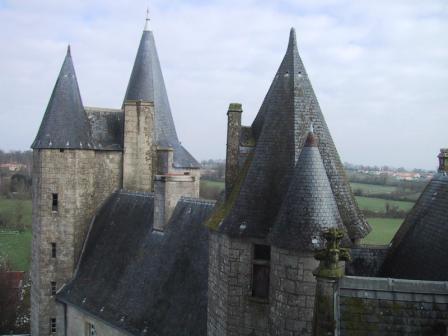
(379, 68)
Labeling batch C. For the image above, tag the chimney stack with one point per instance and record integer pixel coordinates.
(443, 160)
(233, 145)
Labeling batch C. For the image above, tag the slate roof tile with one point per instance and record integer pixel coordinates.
(65, 123)
(135, 278)
(418, 250)
(280, 129)
(147, 83)
(309, 207)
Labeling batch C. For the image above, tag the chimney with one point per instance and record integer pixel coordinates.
(233, 145)
(169, 186)
(138, 143)
(443, 160)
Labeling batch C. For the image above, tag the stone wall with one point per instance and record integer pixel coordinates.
(379, 306)
(67, 173)
(231, 309)
(108, 174)
(78, 322)
(82, 179)
(139, 146)
(292, 292)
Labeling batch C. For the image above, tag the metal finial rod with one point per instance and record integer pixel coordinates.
(147, 19)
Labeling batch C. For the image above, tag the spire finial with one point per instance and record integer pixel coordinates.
(147, 20)
(68, 49)
(311, 139)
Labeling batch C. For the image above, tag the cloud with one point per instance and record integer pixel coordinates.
(379, 68)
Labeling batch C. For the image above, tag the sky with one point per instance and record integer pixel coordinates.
(379, 68)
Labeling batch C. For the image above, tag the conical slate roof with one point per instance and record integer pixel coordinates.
(280, 129)
(65, 123)
(418, 250)
(309, 207)
(146, 83)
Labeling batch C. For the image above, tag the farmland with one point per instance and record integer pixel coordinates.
(15, 232)
(16, 244)
(383, 228)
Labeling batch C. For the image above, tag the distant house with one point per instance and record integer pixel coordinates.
(13, 166)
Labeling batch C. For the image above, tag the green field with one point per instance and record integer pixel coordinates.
(372, 188)
(383, 230)
(9, 207)
(379, 204)
(215, 184)
(16, 246)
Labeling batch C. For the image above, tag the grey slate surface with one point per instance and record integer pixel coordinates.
(134, 278)
(146, 83)
(419, 249)
(280, 129)
(106, 127)
(309, 207)
(65, 123)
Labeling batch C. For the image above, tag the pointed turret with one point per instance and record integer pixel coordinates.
(280, 130)
(309, 207)
(65, 123)
(418, 250)
(147, 84)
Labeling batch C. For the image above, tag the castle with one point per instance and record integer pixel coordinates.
(123, 245)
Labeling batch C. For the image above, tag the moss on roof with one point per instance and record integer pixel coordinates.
(223, 209)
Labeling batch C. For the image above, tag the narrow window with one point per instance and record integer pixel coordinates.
(53, 325)
(53, 288)
(54, 203)
(61, 150)
(90, 329)
(260, 271)
(53, 250)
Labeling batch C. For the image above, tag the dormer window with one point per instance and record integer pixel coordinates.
(260, 271)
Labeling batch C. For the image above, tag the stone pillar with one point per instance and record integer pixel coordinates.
(330, 270)
(443, 160)
(139, 146)
(233, 144)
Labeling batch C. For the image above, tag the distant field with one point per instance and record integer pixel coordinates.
(379, 204)
(216, 184)
(383, 230)
(372, 188)
(17, 247)
(8, 208)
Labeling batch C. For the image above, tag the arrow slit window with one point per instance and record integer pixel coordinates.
(260, 271)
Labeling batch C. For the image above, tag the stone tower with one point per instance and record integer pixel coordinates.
(153, 157)
(63, 195)
(286, 191)
(81, 155)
